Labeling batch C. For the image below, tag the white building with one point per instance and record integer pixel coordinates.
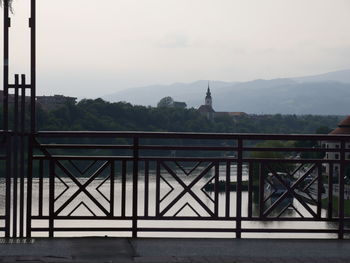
(343, 128)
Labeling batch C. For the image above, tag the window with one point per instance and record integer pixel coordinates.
(336, 156)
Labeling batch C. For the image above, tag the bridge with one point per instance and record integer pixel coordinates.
(144, 184)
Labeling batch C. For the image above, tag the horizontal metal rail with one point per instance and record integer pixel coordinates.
(187, 177)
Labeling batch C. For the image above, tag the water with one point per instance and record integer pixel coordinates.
(206, 197)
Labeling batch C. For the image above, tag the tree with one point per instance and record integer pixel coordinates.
(165, 102)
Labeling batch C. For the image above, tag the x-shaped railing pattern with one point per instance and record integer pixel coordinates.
(82, 188)
(187, 189)
(290, 191)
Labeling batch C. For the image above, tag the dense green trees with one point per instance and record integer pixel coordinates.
(101, 115)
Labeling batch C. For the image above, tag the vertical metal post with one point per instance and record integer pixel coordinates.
(32, 24)
(15, 161)
(22, 155)
(250, 189)
(227, 188)
(112, 188)
(330, 191)
(341, 190)
(135, 186)
(158, 189)
(239, 188)
(123, 199)
(8, 143)
(51, 198)
(7, 24)
(41, 187)
(261, 190)
(319, 189)
(29, 184)
(216, 190)
(146, 188)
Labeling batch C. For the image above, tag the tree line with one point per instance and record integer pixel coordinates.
(100, 115)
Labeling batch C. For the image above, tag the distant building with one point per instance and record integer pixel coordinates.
(208, 111)
(343, 128)
(207, 108)
(53, 102)
(168, 102)
(44, 102)
(179, 105)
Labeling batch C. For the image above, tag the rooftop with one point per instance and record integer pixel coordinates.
(343, 127)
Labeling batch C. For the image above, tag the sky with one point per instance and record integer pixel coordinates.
(89, 48)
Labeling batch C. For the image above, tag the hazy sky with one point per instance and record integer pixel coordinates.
(89, 50)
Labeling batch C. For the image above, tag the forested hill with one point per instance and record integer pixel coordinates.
(105, 116)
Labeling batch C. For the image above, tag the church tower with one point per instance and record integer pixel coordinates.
(208, 99)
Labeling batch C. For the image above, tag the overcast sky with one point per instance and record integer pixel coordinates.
(89, 50)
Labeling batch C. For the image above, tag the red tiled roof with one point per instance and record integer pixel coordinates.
(343, 127)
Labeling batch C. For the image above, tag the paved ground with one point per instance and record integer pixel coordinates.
(175, 250)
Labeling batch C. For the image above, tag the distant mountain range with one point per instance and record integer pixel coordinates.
(325, 94)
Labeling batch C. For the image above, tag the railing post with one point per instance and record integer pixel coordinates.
(32, 25)
(51, 198)
(8, 141)
(341, 190)
(29, 185)
(239, 188)
(330, 191)
(261, 190)
(135, 185)
(319, 190)
(6, 24)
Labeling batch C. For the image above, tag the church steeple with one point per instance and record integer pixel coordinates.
(208, 99)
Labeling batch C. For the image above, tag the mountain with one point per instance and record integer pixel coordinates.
(151, 95)
(325, 94)
(337, 76)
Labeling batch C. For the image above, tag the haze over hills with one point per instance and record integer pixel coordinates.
(325, 94)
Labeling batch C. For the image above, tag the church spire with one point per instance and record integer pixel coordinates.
(208, 99)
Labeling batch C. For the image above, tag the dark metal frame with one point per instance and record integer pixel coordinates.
(138, 153)
(18, 131)
(29, 157)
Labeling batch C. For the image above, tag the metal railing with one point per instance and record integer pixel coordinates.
(232, 184)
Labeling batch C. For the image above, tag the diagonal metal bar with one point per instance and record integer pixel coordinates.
(65, 190)
(40, 147)
(83, 171)
(283, 210)
(297, 169)
(309, 184)
(191, 207)
(296, 210)
(270, 195)
(205, 192)
(81, 204)
(290, 190)
(191, 171)
(167, 194)
(187, 189)
(297, 196)
(82, 188)
(98, 189)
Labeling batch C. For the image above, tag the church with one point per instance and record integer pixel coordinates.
(207, 108)
(208, 111)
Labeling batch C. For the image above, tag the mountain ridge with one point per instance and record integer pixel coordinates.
(324, 94)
